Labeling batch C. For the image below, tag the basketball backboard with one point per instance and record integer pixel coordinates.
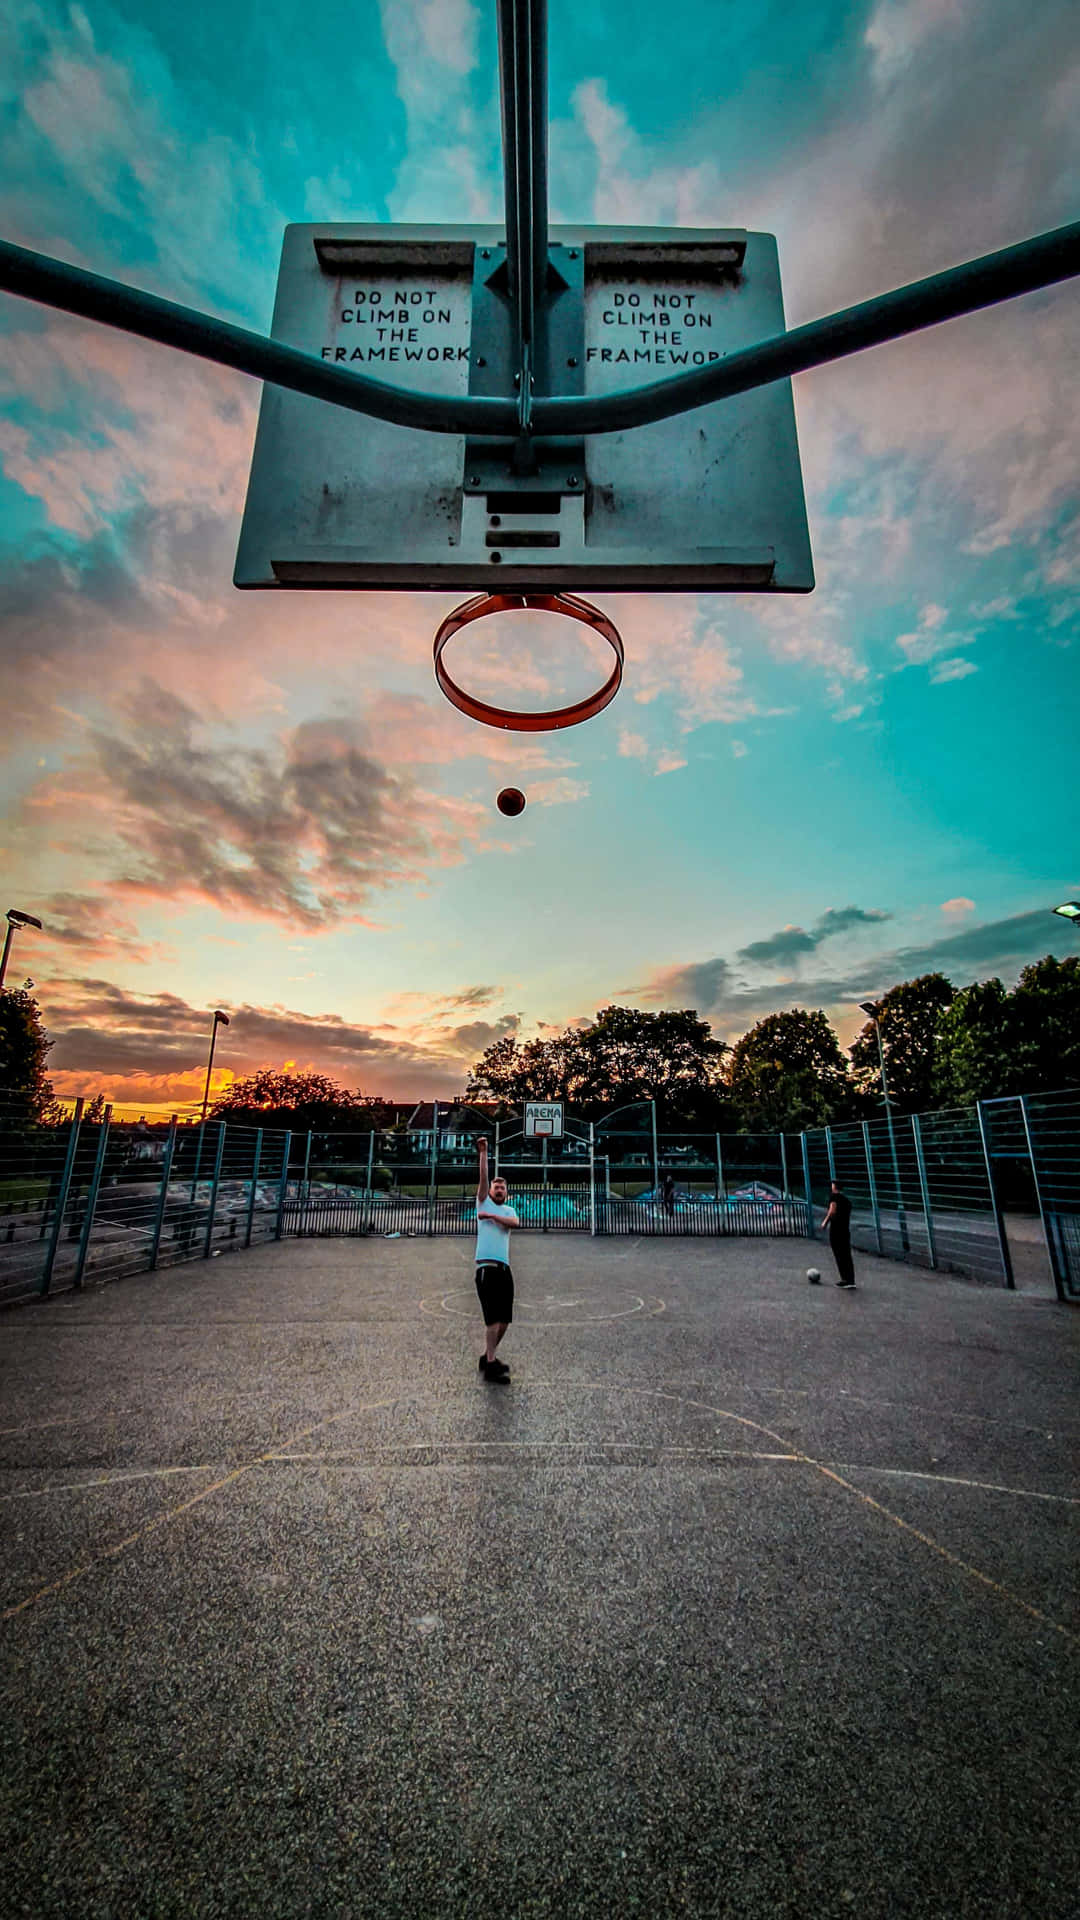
(543, 1120)
(710, 499)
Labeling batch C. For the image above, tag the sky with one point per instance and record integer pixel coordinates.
(262, 803)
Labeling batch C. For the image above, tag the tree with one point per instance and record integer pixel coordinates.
(1046, 1014)
(669, 1057)
(625, 1056)
(909, 1015)
(25, 1092)
(300, 1101)
(788, 1073)
(994, 1043)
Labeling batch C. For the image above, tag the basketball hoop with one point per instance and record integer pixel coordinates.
(509, 717)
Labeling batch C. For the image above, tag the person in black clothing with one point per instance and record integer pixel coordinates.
(838, 1221)
(668, 1195)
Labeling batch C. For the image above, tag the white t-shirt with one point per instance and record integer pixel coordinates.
(493, 1226)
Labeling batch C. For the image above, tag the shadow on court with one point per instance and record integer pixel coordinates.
(745, 1598)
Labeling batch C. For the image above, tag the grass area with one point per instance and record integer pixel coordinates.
(14, 1192)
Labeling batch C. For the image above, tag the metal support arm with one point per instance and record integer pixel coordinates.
(1041, 262)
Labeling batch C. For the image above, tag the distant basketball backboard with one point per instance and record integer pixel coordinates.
(710, 499)
(543, 1120)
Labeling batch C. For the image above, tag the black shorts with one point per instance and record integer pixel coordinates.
(495, 1285)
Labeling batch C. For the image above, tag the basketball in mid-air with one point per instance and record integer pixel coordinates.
(511, 800)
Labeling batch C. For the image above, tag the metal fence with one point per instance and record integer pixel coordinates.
(972, 1190)
(89, 1201)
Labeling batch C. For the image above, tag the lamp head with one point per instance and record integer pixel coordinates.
(1069, 910)
(18, 919)
(869, 1006)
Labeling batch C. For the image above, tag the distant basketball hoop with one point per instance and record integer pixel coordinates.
(511, 718)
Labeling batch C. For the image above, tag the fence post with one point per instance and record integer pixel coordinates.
(163, 1196)
(370, 1175)
(592, 1178)
(61, 1198)
(999, 1218)
(811, 1230)
(283, 1189)
(1059, 1288)
(91, 1200)
(215, 1179)
(498, 1125)
(829, 1151)
(783, 1164)
(869, 1152)
(920, 1162)
(254, 1183)
(720, 1189)
(433, 1173)
(307, 1170)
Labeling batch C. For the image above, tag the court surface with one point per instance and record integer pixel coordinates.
(745, 1598)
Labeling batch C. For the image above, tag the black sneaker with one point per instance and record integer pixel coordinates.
(497, 1371)
(483, 1362)
(848, 1285)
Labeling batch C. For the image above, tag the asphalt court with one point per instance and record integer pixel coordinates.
(745, 1597)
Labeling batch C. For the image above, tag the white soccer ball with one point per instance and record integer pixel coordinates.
(813, 1276)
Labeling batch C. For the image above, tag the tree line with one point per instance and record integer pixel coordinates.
(943, 1046)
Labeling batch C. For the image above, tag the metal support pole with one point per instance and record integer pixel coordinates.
(283, 1189)
(592, 1178)
(498, 1124)
(783, 1164)
(720, 1188)
(999, 1217)
(215, 1180)
(1058, 1282)
(370, 1175)
(91, 1200)
(7, 950)
(254, 1183)
(523, 89)
(924, 1189)
(163, 1196)
(433, 1174)
(829, 1152)
(61, 1198)
(307, 1165)
(655, 1151)
(811, 1228)
(872, 1182)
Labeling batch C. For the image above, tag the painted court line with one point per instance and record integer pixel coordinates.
(173, 1513)
(109, 1480)
(944, 1553)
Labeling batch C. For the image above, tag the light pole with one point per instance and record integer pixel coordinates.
(220, 1020)
(15, 919)
(870, 1007)
(1069, 910)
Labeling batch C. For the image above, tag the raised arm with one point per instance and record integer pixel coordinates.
(482, 1188)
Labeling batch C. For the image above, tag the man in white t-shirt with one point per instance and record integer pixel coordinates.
(494, 1280)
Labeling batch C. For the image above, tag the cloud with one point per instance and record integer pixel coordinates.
(929, 639)
(788, 946)
(732, 1004)
(306, 830)
(943, 671)
(560, 792)
(740, 749)
(669, 761)
(958, 906)
(632, 746)
(151, 1048)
